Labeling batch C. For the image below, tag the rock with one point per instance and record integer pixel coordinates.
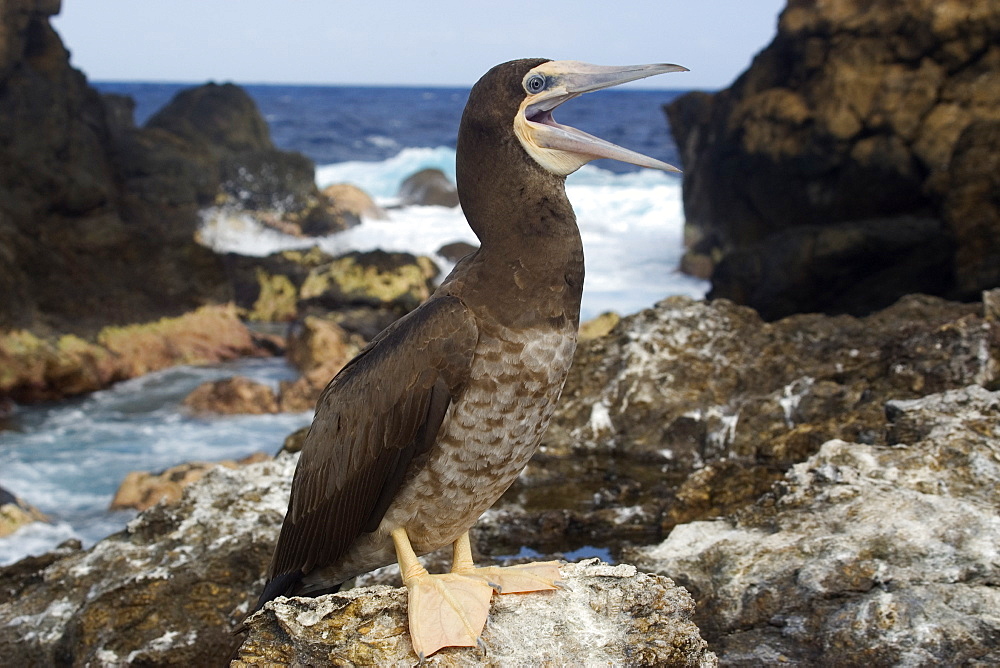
(428, 187)
(857, 154)
(171, 588)
(369, 289)
(607, 615)
(229, 396)
(376, 278)
(881, 555)
(355, 201)
(168, 590)
(318, 348)
(15, 513)
(991, 305)
(221, 118)
(691, 410)
(141, 490)
(124, 201)
(37, 369)
(456, 250)
(599, 326)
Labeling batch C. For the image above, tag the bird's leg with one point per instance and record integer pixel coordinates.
(447, 610)
(536, 576)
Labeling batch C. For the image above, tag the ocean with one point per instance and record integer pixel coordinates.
(67, 458)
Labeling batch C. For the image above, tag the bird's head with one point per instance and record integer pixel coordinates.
(525, 93)
(562, 149)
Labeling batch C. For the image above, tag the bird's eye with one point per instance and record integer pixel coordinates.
(535, 83)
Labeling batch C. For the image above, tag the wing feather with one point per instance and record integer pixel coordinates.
(385, 407)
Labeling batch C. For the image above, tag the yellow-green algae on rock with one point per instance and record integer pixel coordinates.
(403, 283)
(34, 368)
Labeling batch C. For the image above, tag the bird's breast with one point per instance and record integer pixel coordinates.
(489, 433)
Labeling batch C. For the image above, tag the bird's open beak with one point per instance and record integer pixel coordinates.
(562, 149)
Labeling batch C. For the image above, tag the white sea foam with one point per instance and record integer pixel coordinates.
(69, 458)
(632, 227)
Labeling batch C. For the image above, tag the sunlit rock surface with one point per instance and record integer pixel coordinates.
(855, 161)
(608, 615)
(863, 554)
(167, 590)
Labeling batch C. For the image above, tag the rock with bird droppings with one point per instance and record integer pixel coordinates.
(607, 615)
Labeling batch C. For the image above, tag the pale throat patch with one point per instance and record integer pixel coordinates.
(556, 161)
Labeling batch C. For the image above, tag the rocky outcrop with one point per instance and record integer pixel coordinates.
(854, 162)
(882, 555)
(428, 187)
(317, 347)
(607, 615)
(219, 132)
(92, 231)
(34, 368)
(369, 290)
(171, 588)
(691, 410)
(168, 590)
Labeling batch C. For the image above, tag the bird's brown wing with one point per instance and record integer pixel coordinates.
(381, 410)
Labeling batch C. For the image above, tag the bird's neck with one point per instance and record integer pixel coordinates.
(531, 252)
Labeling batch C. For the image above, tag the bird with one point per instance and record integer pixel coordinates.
(434, 419)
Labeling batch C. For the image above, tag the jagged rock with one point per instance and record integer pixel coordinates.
(376, 278)
(369, 289)
(168, 590)
(15, 513)
(141, 490)
(609, 615)
(94, 232)
(877, 555)
(36, 369)
(690, 410)
(854, 162)
(428, 187)
(172, 586)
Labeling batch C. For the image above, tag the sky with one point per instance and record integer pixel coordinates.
(391, 42)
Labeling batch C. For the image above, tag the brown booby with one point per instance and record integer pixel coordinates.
(427, 427)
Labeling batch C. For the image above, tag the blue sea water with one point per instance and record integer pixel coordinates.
(67, 458)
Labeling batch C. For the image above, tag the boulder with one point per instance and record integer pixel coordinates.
(318, 348)
(141, 490)
(456, 250)
(607, 615)
(230, 396)
(354, 201)
(15, 513)
(853, 162)
(428, 187)
(863, 554)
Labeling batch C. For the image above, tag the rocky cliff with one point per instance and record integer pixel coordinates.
(98, 218)
(87, 239)
(857, 159)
